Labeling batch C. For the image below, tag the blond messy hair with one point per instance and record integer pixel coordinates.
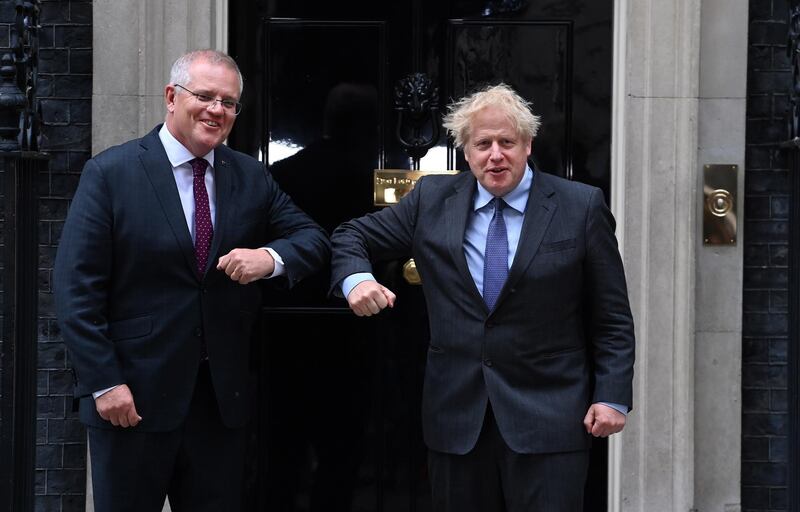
(460, 113)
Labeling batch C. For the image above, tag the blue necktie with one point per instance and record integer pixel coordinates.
(495, 261)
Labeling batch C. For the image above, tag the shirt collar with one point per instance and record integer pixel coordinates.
(517, 198)
(177, 152)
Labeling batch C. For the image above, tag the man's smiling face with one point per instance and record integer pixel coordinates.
(199, 128)
(496, 153)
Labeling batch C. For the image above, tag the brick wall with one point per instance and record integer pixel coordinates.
(765, 324)
(65, 87)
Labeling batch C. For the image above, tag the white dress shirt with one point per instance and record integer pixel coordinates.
(180, 158)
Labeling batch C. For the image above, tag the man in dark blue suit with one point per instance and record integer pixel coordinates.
(156, 295)
(531, 336)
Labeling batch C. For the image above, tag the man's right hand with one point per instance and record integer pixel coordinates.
(368, 298)
(117, 407)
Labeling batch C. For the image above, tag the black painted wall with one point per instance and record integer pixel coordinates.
(765, 323)
(4, 43)
(65, 87)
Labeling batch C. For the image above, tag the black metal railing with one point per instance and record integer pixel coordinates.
(793, 145)
(20, 163)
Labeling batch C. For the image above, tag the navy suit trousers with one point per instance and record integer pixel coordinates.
(198, 465)
(494, 478)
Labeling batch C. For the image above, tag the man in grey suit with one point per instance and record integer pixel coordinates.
(531, 336)
(156, 295)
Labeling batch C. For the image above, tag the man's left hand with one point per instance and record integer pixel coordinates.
(247, 265)
(602, 420)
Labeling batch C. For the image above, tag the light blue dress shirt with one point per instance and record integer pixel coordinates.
(478, 224)
(475, 237)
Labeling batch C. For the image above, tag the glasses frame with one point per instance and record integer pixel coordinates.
(208, 101)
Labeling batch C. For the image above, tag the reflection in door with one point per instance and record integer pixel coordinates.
(337, 424)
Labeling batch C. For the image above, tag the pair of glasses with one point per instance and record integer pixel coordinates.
(208, 101)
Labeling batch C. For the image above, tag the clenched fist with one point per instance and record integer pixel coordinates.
(247, 265)
(368, 298)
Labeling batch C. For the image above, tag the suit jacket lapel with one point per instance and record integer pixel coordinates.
(159, 171)
(223, 167)
(538, 214)
(458, 207)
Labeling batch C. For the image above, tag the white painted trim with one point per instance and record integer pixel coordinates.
(618, 103)
(221, 25)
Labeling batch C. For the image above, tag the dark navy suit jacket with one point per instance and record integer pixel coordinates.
(131, 305)
(560, 337)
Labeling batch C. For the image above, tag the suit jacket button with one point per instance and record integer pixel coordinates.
(490, 324)
(487, 362)
(198, 332)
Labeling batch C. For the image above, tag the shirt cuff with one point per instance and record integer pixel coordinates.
(350, 282)
(619, 407)
(280, 267)
(98, 394)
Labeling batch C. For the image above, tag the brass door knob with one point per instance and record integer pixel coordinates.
(410, 273)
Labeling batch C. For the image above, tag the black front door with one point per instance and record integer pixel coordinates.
(337, 424)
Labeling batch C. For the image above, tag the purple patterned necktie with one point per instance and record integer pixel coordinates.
(495, 261)
(203, 229)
